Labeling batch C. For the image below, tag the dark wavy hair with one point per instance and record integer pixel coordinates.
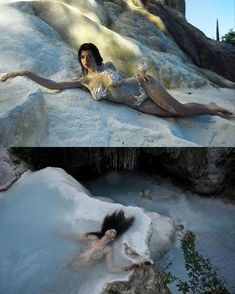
(117, 221)
(95, 52)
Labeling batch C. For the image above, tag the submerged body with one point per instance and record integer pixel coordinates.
(88, 256)
(97, 246)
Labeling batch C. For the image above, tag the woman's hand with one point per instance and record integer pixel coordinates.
(131, 267)
(11, 75)
(142, 75)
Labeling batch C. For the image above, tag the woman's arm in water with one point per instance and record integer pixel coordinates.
(75, 237)
(112, 268)
(42, 81)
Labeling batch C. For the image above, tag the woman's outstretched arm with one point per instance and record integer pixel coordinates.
(42, 81)
(75, 237)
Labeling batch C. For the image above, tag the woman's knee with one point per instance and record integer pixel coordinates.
(182, 111)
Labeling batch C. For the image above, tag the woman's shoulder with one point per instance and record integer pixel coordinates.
(92, 237)
(111, 69)
(109, 66)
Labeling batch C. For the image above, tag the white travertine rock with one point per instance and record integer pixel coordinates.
(93, 9)
(162, 236)
(105, 199)
(87, 215)
(29, 44)
(23, 119)
(126, 52)
(137, 237)
(74, 119)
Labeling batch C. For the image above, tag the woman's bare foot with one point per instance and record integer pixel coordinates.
(50, 91)
(219, 110)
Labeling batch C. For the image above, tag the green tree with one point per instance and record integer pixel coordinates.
(217, 30)
(229, 37)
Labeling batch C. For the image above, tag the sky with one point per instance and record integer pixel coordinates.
(203, 14)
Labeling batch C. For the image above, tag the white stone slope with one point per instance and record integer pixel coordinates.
(23, 117)
(31, 117)
(137, 238)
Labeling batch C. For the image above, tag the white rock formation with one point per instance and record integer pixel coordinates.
(134, 242)
(127, 44)
(30, 117)
(23, 119)
(163, 234)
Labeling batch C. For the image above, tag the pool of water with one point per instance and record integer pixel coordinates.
(32, 255)
(212, 221)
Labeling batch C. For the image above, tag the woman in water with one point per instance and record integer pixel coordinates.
(98, 245)
(141, 92)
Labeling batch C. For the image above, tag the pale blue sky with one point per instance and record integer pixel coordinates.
(203, 14)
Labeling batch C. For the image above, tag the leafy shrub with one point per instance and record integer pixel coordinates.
(229, 38)
(202, 276)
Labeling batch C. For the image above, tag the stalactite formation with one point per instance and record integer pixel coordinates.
(123, 158)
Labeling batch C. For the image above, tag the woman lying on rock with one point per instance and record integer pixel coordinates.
(141, 92)
(98, 245)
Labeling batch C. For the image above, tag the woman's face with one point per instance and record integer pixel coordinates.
(88, 60)
(111, 234)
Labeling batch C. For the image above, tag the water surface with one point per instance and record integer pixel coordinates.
(212, 221)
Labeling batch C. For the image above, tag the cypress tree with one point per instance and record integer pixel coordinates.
(217, 30)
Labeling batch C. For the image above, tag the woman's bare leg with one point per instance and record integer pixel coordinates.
(215, 109)
(149, 107)
(162, 98)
